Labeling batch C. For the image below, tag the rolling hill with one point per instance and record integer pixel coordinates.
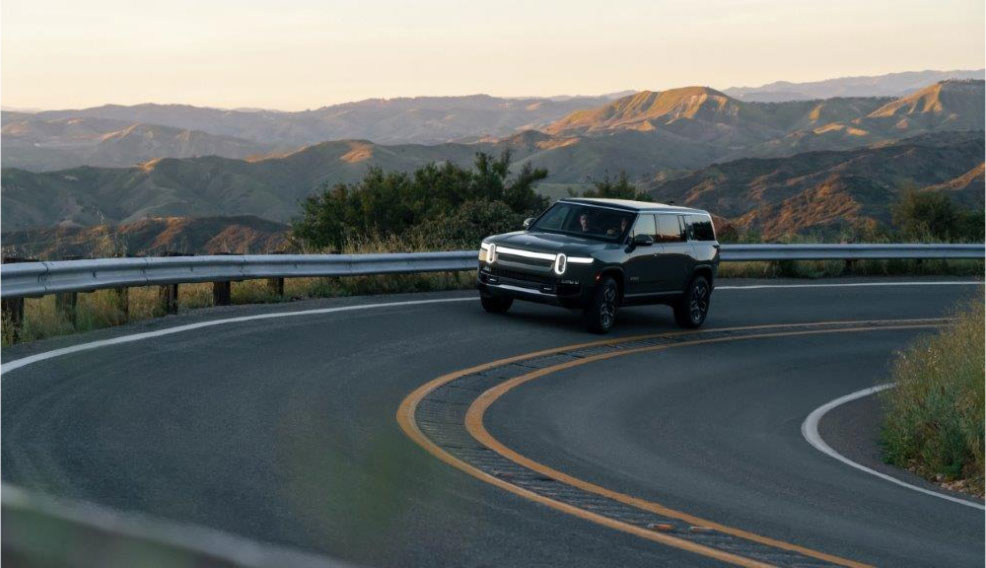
(39, 145)
(825, 192)
(147, 237)
(739, 129)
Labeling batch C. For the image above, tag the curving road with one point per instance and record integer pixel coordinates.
(283, 430)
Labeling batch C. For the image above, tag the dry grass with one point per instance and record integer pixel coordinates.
(935, 417)
(830, 268)
(105, 308)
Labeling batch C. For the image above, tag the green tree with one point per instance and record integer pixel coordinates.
(924, 215)
(443, 205)
(619, 188)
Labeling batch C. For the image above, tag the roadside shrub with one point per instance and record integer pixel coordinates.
(619, 188)
(926, 216)
(934, 419)
(460, 203)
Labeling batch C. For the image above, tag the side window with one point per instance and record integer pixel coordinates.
(644, 226)
(669, 229)
(699, 228)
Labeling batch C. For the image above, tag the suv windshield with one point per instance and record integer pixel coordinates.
(585, 221)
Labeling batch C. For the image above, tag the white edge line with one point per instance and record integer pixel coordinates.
(809, 429)
(855, 285)
(25, 361)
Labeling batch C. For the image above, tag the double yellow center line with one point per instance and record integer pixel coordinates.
(473, 423)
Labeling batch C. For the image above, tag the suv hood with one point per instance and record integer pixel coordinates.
(548, 242)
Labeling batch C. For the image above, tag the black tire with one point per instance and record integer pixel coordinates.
(496, 304)
(691, 309)
(600, 314)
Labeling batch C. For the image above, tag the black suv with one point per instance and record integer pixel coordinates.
(599, 254)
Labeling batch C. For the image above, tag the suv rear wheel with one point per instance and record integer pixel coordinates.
(691, 309)
(495, 304)
(600, 314)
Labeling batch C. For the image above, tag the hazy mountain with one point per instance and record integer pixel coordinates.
(890, 85)
(40, 145)
(828, 191)
(391, 121)
(208, 235)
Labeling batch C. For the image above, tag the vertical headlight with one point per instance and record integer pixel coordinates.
(491, 254)
(561, 263)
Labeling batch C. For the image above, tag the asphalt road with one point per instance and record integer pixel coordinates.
(283, 430)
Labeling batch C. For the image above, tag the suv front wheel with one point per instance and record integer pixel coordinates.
(690, 310)
(600, 314)
(495, 304)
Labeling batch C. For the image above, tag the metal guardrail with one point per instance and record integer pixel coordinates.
(740, 253)
(40, 278)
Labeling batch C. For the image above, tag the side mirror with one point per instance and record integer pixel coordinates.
(643, 240)
(528, 221)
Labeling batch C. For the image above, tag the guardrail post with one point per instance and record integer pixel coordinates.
(123, 301)
(850, 265)
(221, 293)
(13, 315)
(276, 286)
(13, 308)
(168, 298)
(65, 305)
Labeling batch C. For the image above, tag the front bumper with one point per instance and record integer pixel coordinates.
(560, 291)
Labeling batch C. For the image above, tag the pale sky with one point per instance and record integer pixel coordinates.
(297, 54)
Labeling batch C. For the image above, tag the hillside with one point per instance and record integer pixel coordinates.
(828, 191)
(200, 187)
(948, 105)
(413, 120)
(39, 145)
(148, 237)
(740, 129)
(698, 113)
(272, 187)
(890, 85)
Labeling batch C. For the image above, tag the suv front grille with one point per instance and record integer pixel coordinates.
(526, 277)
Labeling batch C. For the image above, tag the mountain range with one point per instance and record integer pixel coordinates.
(889, 85)
(40, 144)
(773, 167)
(118, 136)
(420, 120)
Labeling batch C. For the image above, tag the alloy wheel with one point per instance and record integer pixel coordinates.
(699, 301)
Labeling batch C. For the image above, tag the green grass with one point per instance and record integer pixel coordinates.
(934, 419)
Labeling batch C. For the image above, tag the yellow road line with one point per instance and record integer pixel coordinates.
(476, 411)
